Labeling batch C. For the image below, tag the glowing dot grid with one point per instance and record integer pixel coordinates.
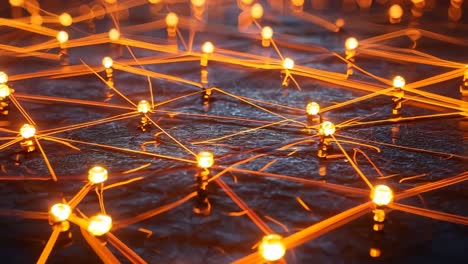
(267, 177)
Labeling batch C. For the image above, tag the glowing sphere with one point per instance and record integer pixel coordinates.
(198, 3)
(65, 19)
(297, 2)
(267, 32)
(395, 12)
(111, 1)
(62, 37)
(143, 107)
(36, 20)
(97, 175)
(381, 195)
(208, 47)
(154, 1)
(114, 34)
(327, 128)
(99, 224)
(172, 19)
(60, 212)
(4, 91)
(256, 11)
(247, 2)
(107, 62)
(288, 63)
(374, 252)
(399, 82)
(27, 131)
(312, 108)
(16, 2)
(205, 159)
(340, 22)
(3, 77)
(351, 43)
(272, 248)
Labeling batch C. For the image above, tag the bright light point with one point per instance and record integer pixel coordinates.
(382, 195)
(327, 128)
(288, 63)
(114, 34)
(107, 62)
(65, 19)
(208, 47)
(465, 75)
(198, 3)
(111, 1)
(351, 43)
(340, 22)
(374, 252)
(256, 11)
(395, 12)
(16, 2)
(247, 2)
(312, 108)
(154, 1)
(97, 175)
(62, 37)
(399, 82)
(272, 248)
(205, 159)
(267, 33)
(99, 224)
(297, 2)
(60, 212)
(172, 19)
(4, 91)
(143, 107)
(27, 131)
(3, 77)
(36, 20)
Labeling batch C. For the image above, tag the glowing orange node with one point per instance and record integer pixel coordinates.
(288, 63)
(271, 247)
(172, 19)
(382, 195)
(114, 34)
(65, 19)
(198, 3)
(16, 2)
(60, 212)
(27, 131)
(3, 77)
(395, 12)
(297, 2)
(4, 91)
(327, 128)
(256, 11)
(107, 62)
(62, 37)
(399, 82)
(36, 20)
(143, 107)
(312, 108)
(99, 224)
(351, 43)
(97, 175)
(208, 47)
(267, 32)
(205, 159)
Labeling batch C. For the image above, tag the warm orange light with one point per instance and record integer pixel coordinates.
(62, 37)
(351, 43)
(208, 47)
(97, 175)
(143, 107)
(111, 1)
(379, 215)
(99, 224)
(247, 2)
(465, 75)
(107, 62)
(60, 212)
(198, 3)
(114, 34)
(171, 19)
(16, 2)
(36, 20)
(205, 159)
(65, 19)
(395, 11)
(267, 32)
(3, 77)
(27, 131)
(297, 2)
(288, 63)
(327, 128)
(381, 195)
(312, 108)
(399, 82)
(271, 247)
(154, 1)
(374, 252)
(256, 11)
(4, 91)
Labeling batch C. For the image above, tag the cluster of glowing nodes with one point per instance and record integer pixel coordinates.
(272, 248)
(27, 131)
(312, 108)
(205, 159)
(60, 212)
(143, 107)
(208, 47)
(399, 82)
(327, 128)
(99, 224)
(97, 175)
(381, 195)
(288, 64)
(351, 43)
(62, 37)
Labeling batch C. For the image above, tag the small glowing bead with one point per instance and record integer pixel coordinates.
(97, 175)
(247, 2)
(379, 215)
(465, 74)
(327, 128)
(111, 1)
(297, 2)
(99, 224)
(65, 19)
(267, 33)
(3, 77)
(208, 47)
(107, 62)
(27, 131)
(256, 11)
(374, 252)
(271, 247)
(154, 1)
(143, 107)
(16, 2)
(60, 212)
(312, 108)
(198, 3)
(399, 82)
(4, 91)
(351, 43)
(381, 195)
(395, 12)
(62, 37)
(172, 19)
(205, 159)
(288, 64)
(114, 34)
